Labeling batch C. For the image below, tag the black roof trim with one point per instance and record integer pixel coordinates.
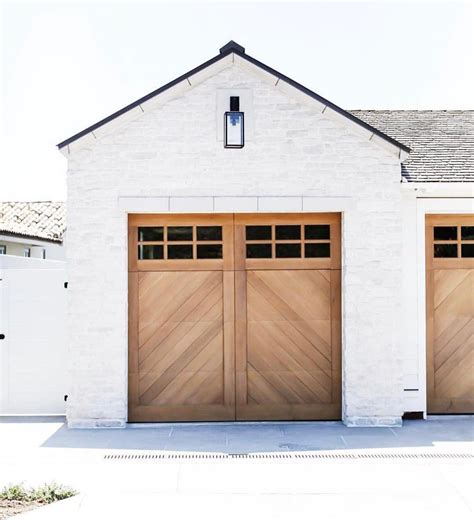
(229, 48)
(233, 47)
(324, 101)
(142, 100)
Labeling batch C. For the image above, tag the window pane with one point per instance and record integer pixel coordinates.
(467, 233)
(445, 233)
(209, 233)
(445, 250)
(150, 234)
(288, 250)
(176, 233)
(317, 232)
(180, 252)
(317, 250)
(150, 252)
(258, 232)
(259, 250)
(209, 251)
(288, 232)
(467, 250)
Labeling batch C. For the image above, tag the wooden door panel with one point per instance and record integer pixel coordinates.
(204, 333)
(181, 348)
(285, 362)
(181, 328)
(450, 321)
(454, 335)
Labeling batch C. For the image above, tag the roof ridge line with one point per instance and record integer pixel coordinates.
(234, 48)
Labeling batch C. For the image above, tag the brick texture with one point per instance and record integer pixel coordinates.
(173, 151)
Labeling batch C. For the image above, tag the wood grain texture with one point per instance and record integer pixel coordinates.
(292, 362)
(184, 348)
(450, 325)
(181, 330)
(219, 340)
(451, 342)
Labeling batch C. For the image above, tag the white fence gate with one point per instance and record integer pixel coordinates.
(33, 378)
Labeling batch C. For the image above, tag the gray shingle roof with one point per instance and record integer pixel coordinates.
(42, 220)
(442, 141)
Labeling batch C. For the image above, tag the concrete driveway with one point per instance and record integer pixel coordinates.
(292, 470)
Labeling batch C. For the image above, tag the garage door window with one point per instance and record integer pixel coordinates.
(453, 241)
(179, 242)
(288, 241)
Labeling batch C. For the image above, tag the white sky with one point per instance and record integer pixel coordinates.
(67, 65)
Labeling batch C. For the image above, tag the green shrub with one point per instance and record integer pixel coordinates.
(14, 492)
(45, 494)
(48, 493)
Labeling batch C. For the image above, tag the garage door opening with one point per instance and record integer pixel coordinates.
(234, 317)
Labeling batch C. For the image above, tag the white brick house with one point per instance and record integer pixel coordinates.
(159, 166)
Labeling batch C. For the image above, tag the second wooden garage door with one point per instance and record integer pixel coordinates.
(450, 313)
(234, 317)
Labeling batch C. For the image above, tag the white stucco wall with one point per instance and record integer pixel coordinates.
(170, 158)
(33, 353)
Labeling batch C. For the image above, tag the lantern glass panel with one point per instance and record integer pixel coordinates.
(234, 129)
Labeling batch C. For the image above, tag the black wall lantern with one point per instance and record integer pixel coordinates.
(234, 125)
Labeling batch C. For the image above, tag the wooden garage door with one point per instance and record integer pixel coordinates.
(288, 317)
(181, 318)
(450, 313)
(234, 317)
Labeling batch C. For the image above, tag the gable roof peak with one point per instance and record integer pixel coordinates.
(232, 47)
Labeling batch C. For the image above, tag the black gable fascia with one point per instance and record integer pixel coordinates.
(138, 102)
(324, 101)
(232, 47)
(235, 48)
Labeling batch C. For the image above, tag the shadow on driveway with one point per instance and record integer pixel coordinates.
(258, 437)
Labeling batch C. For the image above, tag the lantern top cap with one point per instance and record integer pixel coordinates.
(232, 47)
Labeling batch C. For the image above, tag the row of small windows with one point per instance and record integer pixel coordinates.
(179, 233)
(179, 242)
(291, 232)
(288, 250)
(179, 251)
(288, 241)
(451, 232)
(205, 242)
(455, 241)
(451, 251)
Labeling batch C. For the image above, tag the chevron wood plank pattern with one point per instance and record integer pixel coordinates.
(449, 316)
(290, 368)
(233, 337)
(453, 341)
(180, 346)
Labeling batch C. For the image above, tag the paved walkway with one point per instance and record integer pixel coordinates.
(182, 470)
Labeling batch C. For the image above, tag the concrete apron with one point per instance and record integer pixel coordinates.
(292, 470)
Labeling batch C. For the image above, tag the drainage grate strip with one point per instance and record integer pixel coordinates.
(276, 456)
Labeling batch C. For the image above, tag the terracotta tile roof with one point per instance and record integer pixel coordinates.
(442, 141)
(42, 220)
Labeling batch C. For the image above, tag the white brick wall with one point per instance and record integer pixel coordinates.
(173, 151)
